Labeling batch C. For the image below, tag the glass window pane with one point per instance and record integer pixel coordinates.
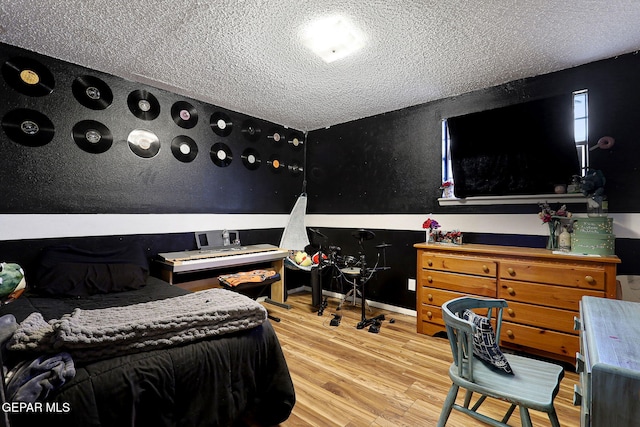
(580, 129)
(580, 105)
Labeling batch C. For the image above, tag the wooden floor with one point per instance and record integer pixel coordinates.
(344, 376)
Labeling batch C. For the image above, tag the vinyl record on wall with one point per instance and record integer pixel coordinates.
(251, 159)
(184, 114)
(296, 140)
(92, 92)
(144, 105)
(276, 137)
(250, 130)
(184, 148)
(221, 124)
(28, 127)
(275, 164)
(221, 154)
(294, 169)
(92, 136)
(28, 76)
(143, 143)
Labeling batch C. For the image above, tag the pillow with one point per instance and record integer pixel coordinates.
(84, 279)
(485, 346)
(67, 270)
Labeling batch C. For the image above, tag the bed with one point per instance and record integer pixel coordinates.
(232, 378)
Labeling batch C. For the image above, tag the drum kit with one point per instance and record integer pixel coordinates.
(355, 272)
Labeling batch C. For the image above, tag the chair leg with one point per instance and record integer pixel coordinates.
(553, 417)
(524, 417)
(506, 417)
(447, 406)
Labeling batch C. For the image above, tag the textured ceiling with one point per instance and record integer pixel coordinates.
(246, 55)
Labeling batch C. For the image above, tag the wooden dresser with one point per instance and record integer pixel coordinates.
(543, 291)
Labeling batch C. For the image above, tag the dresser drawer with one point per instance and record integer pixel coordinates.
(542, 317)
(431, 314)
(437, 297)
(558, 274)
(458, 264)
(515, 335)
(550, 296)
(484, 286)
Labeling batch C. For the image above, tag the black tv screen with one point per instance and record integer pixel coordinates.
(525, 148)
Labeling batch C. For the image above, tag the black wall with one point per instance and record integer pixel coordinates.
(59, 177)
(391, 163)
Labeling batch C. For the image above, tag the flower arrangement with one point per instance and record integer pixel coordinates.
(452, 237)
(429, 225)
(447, 189)
(555, 218)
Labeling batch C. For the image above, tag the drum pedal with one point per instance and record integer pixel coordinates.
(375, 327)
(336, 320)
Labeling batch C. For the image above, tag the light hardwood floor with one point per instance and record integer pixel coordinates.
(344, 376)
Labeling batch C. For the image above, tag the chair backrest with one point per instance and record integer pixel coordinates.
(460, 331)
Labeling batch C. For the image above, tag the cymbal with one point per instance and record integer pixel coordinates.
(363, 234)
(383, 245)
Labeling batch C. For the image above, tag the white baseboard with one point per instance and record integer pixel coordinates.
(388, 307)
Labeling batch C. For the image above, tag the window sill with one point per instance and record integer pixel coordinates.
(514, 200)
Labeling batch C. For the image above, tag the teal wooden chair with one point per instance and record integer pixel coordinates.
(534, 384)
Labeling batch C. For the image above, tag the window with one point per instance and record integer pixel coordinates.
(580, 135)
(581, 127)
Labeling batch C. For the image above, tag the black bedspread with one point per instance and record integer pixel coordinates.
(236, 379)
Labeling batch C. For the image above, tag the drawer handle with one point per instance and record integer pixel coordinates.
(429, 314)
(511, 291)
(577, 395)
(510, 333)
(510, 311)
(430, 263)
(511, 271)
(579, 363)
(429, 279)
(485, 268)
(590, 280)
(430, 297)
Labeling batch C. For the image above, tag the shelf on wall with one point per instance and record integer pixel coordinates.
(514, 200)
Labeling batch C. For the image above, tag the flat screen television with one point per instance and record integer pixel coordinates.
(526, 148)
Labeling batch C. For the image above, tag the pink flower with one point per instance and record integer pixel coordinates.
(430, 223)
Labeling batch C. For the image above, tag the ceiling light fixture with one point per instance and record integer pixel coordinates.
(332, 38)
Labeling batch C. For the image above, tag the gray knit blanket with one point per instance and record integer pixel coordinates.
(96, 334)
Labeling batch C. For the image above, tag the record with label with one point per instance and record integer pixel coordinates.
(28, 127)
(221, 154)
(250, 130)
(184, 114)
(143, 143)
(275, 164)
(92, 92)
(221, 124)
(251, 159)
(184, 148)
(92, 136)
(294, 169)
(296, 140)
(144, 105)
(28, 76)
(276, 137)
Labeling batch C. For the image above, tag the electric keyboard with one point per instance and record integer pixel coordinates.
(216, 258)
